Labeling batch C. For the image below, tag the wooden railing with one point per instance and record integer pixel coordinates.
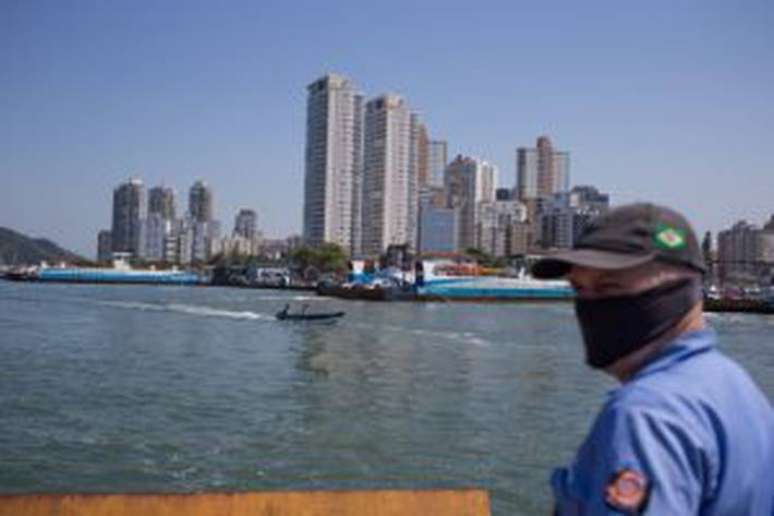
(465, 502)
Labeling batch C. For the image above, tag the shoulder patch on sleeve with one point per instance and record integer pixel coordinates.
(627, 491)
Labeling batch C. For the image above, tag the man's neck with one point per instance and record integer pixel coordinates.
(627, 366)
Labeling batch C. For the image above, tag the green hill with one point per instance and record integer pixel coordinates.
(18, 249)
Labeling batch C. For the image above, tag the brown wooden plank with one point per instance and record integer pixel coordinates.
(463, 502)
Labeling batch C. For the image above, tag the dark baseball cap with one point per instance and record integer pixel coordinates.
(625, 237)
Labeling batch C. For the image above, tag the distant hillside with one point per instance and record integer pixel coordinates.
(17, 249)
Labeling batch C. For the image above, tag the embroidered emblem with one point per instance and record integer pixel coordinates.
(627, 491)
(670, 238)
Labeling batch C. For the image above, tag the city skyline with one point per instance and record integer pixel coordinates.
(667, 103)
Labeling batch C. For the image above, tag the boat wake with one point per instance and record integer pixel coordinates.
(197, 310)
(461, 337)
(293, 298)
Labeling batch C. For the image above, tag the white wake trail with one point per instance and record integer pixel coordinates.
(196, 310)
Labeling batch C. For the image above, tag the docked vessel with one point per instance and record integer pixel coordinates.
(121, 272)
(368, 292)
(444, 280)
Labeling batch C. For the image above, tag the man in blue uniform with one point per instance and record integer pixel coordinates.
(687, 432)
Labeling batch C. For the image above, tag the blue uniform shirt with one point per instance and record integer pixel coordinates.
(689, 433)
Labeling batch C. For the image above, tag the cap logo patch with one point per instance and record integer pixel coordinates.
(627, 491)
(670, 238)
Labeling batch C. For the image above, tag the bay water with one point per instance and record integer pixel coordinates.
(179, 389)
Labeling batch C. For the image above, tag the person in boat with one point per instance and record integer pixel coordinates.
(284, 312)
(687, 431)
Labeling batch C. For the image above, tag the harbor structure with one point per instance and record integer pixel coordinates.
(438, 158)
(386, 174)
(129, 210)
(333, 163)
(467, 182)
(541, 171)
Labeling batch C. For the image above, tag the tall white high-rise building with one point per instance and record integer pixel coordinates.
(387, 175)
(489, 177)
(333, 163)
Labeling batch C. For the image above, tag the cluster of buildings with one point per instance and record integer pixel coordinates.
(147, 226)
(744, 255)
(375, 178)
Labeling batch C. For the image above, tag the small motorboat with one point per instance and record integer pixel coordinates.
(284, 315)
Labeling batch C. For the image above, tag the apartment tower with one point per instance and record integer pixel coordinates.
(469, 182)
(541, 171)
(438, 158)
(161, 201)
(333, 163)
(387, 172)
(200, 202)
(246, 224)
(129, 210)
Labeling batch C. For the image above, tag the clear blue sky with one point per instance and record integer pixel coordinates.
(669, 101)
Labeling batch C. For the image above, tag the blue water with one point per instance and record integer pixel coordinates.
(177, 389)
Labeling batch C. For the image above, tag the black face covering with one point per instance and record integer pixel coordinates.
(613, 327)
